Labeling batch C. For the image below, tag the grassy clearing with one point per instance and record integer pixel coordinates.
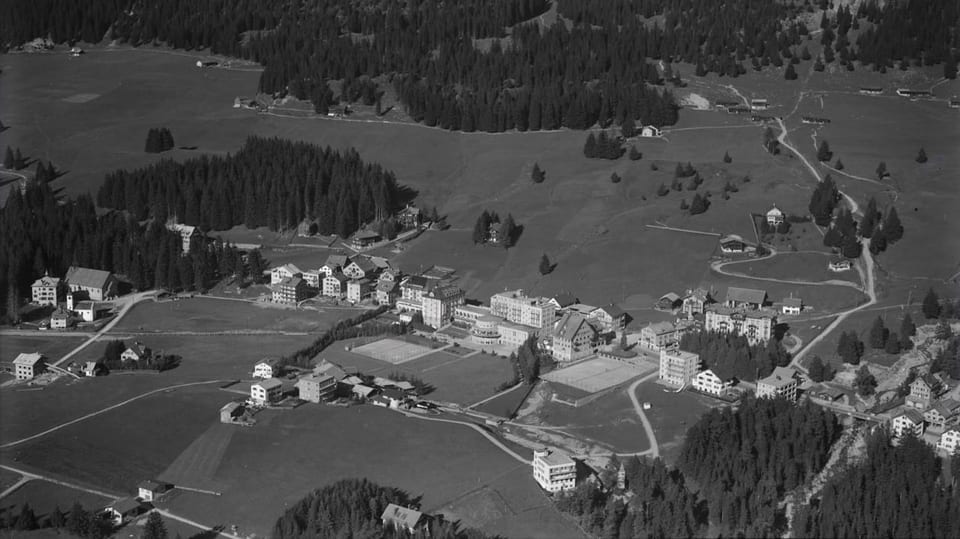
(210, 315)
(122, 447)
(671, 414)
(322, 444)
(805, 266)
(861, 322)
(52, 347)
(505, 405)
(609, 420)
(43, 497)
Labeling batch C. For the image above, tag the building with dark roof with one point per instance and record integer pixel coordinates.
(97, 284)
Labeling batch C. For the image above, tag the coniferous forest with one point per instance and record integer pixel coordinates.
(526, 76)
(730, 355)
(269, 182)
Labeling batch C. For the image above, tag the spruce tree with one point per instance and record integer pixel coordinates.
(869, 220)
(839, 164)
(865, 382)
(893, 344)
(907, 329)
(635, 154)
(507, 233)
(921, 156)
(57, 518)
(878, 334)
(154, 528)
(727, 158)
(545, 265)
(882, 170)
(18, 161)
(823, 151)
(850, 247)
(790, 73)
(26, 519)
(481, 228)
(153, 142)
(699, 204)
(8, 160)
(615, 178)
(931, 305)
(537, 175)
(892, 228)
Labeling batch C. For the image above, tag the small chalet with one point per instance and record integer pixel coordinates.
(732, 243)
(906, 422)
(650, 131)
(949, 441)
(99, 285)
(286, 271)
(27, 366)
(410, 217)
(791, 305)
(401, 518)
(610, 317)
(707, 381)
(124, 510)
(136, 351)
(231, 412)
(943, 414)
(668, 302)
(364, 239)
(839, 265)
(775, 216)
(266, 368)
(563, 300)
(61, 319)
(360, 267)
(93, 368)
(150, 490)
(695, 302)
(187, 235)
(922, 392)
(334, 264)
(364, 391)
(744, 297)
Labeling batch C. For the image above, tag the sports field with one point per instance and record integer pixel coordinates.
(393, 351)
(596, 374)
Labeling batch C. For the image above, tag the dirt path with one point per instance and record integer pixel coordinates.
(475, 427)
(654, 450)
(129, 301)
(718, 267)
(490, 398)
(28, 476)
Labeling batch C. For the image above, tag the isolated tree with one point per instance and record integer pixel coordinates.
(8, 159)
(850, 348)
(153, 144)
(839, 164)
(869, 221)
(154, 528)
(882, 170)
(482, 228)
(892, 228)
(615, 178)
(537, 175)
(166, 139)
(907, 329)
(893, 344)
(931, 305)
(921, 156)
(727, 158)
(545, 265)
(865, 382)
(699, 204)
(507, 233)
(823, 151)
(819, 370)
(790, 73)
(662, 190)
(684, 205)
(635, 154)
(878, 334)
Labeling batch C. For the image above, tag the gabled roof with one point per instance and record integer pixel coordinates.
(661, 327)
(381, 262)
(387, 286)
(445, 292)
(570, 325)
(793, 302)
(415, 281)
(86, 305)
(564, 299)
(320, 379)
(289, 268)
(46, 280)
(911, 414)
(338, 276)
(125, 505)
(366, 235)
(670, 296)
(947, 407)
(291, 281)
(87, 277)
(182, 229)
(150, 484)
(699, 294)
(60, 314)
(731, 237)
(269, 383)
(326, 367)
(780, 377)
(138, 348)
(774, 211)
(271, 361)
(394, 394)
(28, 359)
(927, 379)
(336, 260)
(613, 310)
(363, 262)
(401, 516)
(746, 295)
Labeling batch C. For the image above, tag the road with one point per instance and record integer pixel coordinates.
(129, 302)
(654, 450)
(718, 267)
(28, 476)
(107, 409)
(475, 427)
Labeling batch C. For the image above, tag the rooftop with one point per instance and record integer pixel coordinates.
(564, 299)
(335, 260)
(407, 518)
(269, 384)
(781, 376)
(913, 415)
(569, 325)
(46, 280)
(746, 295)
(87, 277)
(556, 458)
(661, 327)
(125, 505)
(793, 302)
(28, 359)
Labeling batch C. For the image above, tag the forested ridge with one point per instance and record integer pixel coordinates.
(269, 182)
(743, 463)
(593, 67)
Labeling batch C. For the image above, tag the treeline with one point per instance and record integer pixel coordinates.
(269, 182)
(742, 461)
(40, 233)
(78, 522)
(157, 362)
(731, 355)
(158, 140)
(352, 508)
(603, 146)
(896, 491)
(345, 329)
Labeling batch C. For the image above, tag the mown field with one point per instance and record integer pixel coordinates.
(316, 445)
(52, 347)
(43, 497)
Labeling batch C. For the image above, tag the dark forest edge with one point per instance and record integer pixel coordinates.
(598, 71)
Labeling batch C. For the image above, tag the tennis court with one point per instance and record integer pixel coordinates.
(392, 350)
(595, 374)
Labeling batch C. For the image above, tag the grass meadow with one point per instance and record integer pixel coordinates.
(52, 347)
(43, 497)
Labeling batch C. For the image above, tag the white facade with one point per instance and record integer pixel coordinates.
(782, 382)
(774, 216)
(286, 271)
(708, 382)
(266, 392)
(44, 290)
(26, 366)
(756, 327)
(514, 307)
(906, 423)
(333, 285)
(554, 471)
(949, 441)
(264, 369)
(677, 367)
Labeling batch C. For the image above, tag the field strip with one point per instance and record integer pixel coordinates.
(475, 427)
(490, 398)
(29, 476)
(107, 409)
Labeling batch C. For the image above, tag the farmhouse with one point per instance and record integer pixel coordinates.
(515, 307)
(782, 382)
(410, 217)
(755, 326)
(231, 411)
(358, 290)
(266, 392)
(326, 367)
(187, 234)
(695, 301)
(775, 216)
(905, 92)
(44, 291)
(677, 367)
(650, 131)
(363, 391)
(748, 298)
(334, 285)
(814, 120)
(668, 302)
(943, 414)
(438, 304)
(60, 319)
(135, 351)
(907, 421)
(360, 267)
(610, 317)
(317, 387)
(954, 103)
(286, 271)
(364, 239)
(709, 382)
(791, 305)
(401, 518)
(949, 441)
(26, 366)
(839, 265)
(123, 510)
(554, 471)
(93, 368)
(99, 285)
(267, 368)
(732, 243)
(573, 338)
(149, 490)
(922, 391)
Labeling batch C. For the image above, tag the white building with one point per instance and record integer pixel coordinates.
(792, 305)
(949, 441)
(782, 382)
(266, 368)
(26, 366)
(187, 233)
(757, 327)
(44, 290)
(266, 392)
(438, 304)
(678, 367)
(908, 421)
(514, 307)
(554, 471)
(285, 271)
(574, 337)
(334, 285)
(708, 382)
(774, 216)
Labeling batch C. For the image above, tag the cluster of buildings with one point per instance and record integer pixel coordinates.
(354, 278)
(680, 369)
(81, 289)
(935, 420)
(128, 509)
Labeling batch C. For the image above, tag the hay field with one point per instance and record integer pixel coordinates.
(53, 347)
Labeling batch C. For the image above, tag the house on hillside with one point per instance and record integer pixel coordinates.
(335, 285)
(97, 284)
(231, 412)
(922, 392)
(150, 490)
(286, 271)
(123, 510)
(61, 319)
(759, 104)
(574, 337)
(554, 471)
(668, 302)
(93, 369)
(839, 265)
(744, 298)
(268, 367)
(410, 217)
(659, 336)
(332, 369)
(438, 304)
(791, 305)
(266, 392)
(135, 351)
(782, 382)
(408, 520)
(187, 235)
(775, 216)
(563, 300)
(732, 243)
(906, 422)
(364, 239)
(695, 302)
(387, 292)
(707, 381)
(943, 414)
(334, 264)
(291, 290)
(360, 267)
(610, 317)
(27, 366)
(678, 367)
(950, 441)
(650, 131)
(45, 291)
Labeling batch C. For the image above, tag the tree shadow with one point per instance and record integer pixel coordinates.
(780, 330)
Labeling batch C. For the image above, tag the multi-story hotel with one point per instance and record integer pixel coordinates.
(754, 325)
(677, 367)
(519, 309)
(554, 471)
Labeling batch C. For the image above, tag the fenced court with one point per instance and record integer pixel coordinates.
(392, 351)
(595, 375)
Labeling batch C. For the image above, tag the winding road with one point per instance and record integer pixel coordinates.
(654, 450)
